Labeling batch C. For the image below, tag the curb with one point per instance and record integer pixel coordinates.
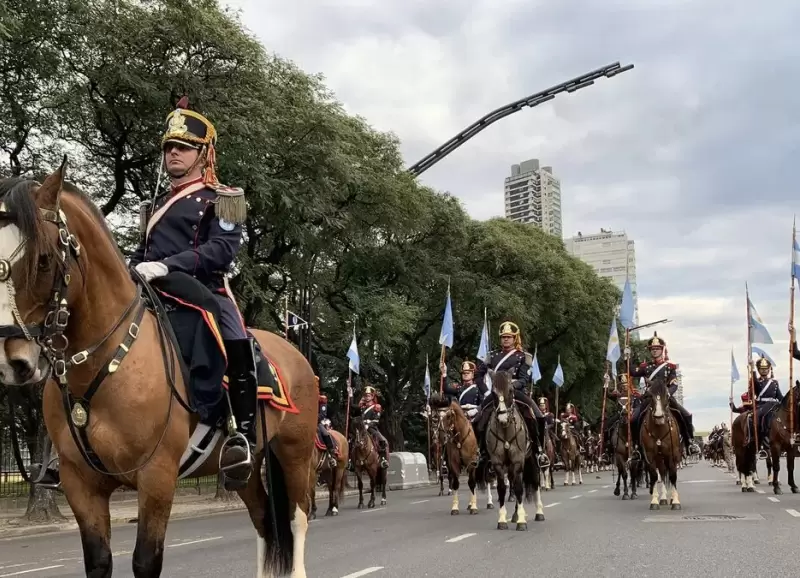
(209, 509)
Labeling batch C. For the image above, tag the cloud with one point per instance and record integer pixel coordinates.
(692, 152)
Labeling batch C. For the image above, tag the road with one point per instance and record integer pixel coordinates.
(588, 532)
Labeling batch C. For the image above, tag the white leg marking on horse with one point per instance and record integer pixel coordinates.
(539, 505)
(769, 478)
(566, 478)
(335, 510)
(473, 501)
(454, 507)
(580, 475)
(261, 556)
(662, 490)
(489, 495)
(654, 496)
(299, 527)
(501, 518)
(521, 516)
(676, 499)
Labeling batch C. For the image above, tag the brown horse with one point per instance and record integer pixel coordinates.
(744, 448)
(511, 454)
(660, 439)
(570, 453)
(624, 464)
(780, 441)
(550, 451)
(460, 451)
(334, 478)
(590, 454)
(439, 442)
(365, 461)
(70, 309)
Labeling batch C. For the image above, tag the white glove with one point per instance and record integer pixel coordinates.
(151, 270)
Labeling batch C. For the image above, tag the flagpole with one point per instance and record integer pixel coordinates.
(535, 353)
(791, 356)
(606, 379)
(286, 317)
(558, 411)
(730, 419)
(349, 389)
(629, 392)
(750, 382)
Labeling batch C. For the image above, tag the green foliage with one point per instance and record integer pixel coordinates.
(332, 213)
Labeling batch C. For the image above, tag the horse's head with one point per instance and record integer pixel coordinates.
(44, 236)
(501, 381)
(563, 431)
(660, 393)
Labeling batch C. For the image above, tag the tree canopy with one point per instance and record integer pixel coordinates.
(336, 225)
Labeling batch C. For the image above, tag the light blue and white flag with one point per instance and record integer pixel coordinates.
(613, 351)
(558, 376)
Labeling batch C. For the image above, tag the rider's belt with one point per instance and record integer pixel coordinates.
(775, 399)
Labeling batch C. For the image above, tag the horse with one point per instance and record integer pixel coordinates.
(660, 440)
(744, 449)
(590, 454)
(510, 452)
(460, 450)
(334, 478)
(570, 453)
(440, 439)
(549, 448)
(365, 461)
(114, 406)
(780, 440)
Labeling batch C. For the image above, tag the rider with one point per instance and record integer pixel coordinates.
(747, 404)
(511, 358)
(768, 396)
(465, 393)
(371, 411)
(196, 228)
(570, 415)
(324, 433)
(660, 364)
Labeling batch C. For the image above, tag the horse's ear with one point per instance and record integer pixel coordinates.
(48, 194)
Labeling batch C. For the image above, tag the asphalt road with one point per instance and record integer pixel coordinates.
(588, 532)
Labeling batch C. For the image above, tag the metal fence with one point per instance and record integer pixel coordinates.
(13, 486)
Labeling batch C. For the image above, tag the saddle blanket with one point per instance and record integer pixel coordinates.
(323, 448)
(192, 311)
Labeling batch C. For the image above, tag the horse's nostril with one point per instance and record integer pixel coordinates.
(22, 368)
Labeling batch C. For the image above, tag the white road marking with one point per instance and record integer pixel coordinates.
(364, 572)
(794, 513)
(420, 502)
(760, 491)
(553, 504)
(461, 537)
(703, 481)
(772, 499)
(576, 497)
(21, 572)
(195, 542)
(592, 491)
(372, 511)
(606, 487)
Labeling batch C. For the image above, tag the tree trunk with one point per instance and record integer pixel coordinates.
(42, 506)
(394, 432)
(222, 494)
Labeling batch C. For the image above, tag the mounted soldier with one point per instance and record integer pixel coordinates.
(196, 228)
(660, 366)
(512, 359)
(323, 425)
(370, 411)
(767, 397)
(549, 418)
(747, 404)
(571, 416)
(466, 393)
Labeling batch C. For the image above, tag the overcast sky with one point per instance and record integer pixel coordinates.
(690, 152)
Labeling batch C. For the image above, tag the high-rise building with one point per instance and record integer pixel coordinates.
(612, 255)
(533, 195)
(679, 391)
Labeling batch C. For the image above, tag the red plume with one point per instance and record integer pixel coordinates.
(183, 102)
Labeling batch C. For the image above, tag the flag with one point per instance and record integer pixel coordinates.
(483, 348)
(535, 372)
(558, 376)
(427, 384)
(626, 309)
(352, 354)
(795, 255)
(613, 352)
(734, 371)
(758, 332)
(760, 351)
(446, 335)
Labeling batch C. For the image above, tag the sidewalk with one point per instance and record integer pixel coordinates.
(125, 511)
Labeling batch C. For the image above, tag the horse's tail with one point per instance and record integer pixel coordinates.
(278, 536)
(530, 478)
(481, 476)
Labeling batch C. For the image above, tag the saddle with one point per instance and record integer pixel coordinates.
(323, 448)
(191, 313)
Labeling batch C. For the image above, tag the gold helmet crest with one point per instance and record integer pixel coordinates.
(369, 389)
(509, 328)
(468, 366)
(656, 341)
(763, 363)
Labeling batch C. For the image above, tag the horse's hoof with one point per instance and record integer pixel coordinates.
(502, 526)
(383, 502)
(744, 490)
(625, 497)
(522, 527)
(634, 496)
(371, 505)
(675, 507)
(328, 514)
(663, 503)
(580, 483)
(360, 505)
(794, 489)
(738, 482)
(777, 490)
(751, 490)
(473, 511)
(538, 518)
(655, 507)
(454, 512)
(616, 492)
(490, 506)
(441, 493)
(598, 478)
(312, 516)
(335, 513)
(756, 482)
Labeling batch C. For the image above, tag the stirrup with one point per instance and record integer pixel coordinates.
(635, 455)
(237, 440)
(762, 454)
(49, 479)
(544, 461)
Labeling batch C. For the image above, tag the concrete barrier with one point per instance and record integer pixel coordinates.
(407, 470)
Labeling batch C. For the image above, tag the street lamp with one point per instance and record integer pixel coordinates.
(608, 71)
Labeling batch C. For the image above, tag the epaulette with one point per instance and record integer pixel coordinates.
(643, 364)
(231, 205)
(671, 365)
(528, 358)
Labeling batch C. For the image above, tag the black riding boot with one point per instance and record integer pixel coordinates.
(382, 452)
(327, 439)
(51, 478)
(237, 456)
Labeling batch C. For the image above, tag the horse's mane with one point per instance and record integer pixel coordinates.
(454, 405)
(501, 379)
(18, 195)
(796, 394)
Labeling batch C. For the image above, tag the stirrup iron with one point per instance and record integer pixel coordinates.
(248, 459)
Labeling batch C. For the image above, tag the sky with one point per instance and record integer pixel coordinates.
(690, 152)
